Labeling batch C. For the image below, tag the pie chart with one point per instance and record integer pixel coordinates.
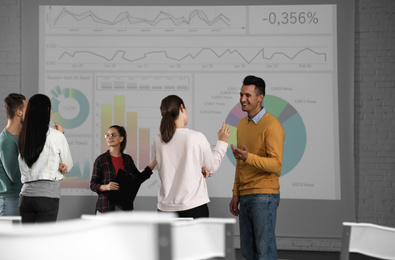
(290, 119)
(69, 94)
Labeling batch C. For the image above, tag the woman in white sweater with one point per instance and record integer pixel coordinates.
(44, 156)
(184, 158)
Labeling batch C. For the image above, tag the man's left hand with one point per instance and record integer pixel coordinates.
(240, 154)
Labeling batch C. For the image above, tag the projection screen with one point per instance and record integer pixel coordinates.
(103, 65)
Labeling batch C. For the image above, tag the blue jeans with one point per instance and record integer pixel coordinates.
(257, 221)
(9, 207)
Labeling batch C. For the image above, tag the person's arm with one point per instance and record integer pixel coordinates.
(96, 179)
(213, 159)
(152, 165)
(10, 162)
(145, 174)
(234, 203)
(236, 183)
(65, 154)
(97, 174)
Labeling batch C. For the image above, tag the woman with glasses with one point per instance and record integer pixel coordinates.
(108, 165)
(183, 155)
(44, 156)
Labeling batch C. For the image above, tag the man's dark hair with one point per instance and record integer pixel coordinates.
(12, 103)
(259, 84)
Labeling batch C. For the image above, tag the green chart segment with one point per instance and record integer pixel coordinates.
(69, 93)
(79, 174)
(294, 129)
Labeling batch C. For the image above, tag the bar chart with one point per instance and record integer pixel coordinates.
(138, 138)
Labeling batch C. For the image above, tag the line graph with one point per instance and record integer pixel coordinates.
(125, 59)
(204, 54)
(130, 19)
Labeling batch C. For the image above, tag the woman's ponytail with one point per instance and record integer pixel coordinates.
(170, 109)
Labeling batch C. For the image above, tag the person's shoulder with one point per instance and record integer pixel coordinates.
(158, 137)
(8, 140)
(55, 136)
(242, 121)
(3, 133)
(6, 136)
(196, 137)
(105, 154)
(101, 156)
(194, 133)
(126, 156)
(54, 132)
(271, 118)
(271, 121)
(3, 136)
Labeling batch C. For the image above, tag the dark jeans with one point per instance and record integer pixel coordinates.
(198, 212)
(38, 209)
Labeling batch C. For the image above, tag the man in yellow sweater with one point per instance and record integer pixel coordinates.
(259, 154)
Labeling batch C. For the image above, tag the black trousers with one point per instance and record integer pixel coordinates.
(198, 212)
(38, 209)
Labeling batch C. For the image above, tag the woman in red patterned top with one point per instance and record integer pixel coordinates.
(108, 164)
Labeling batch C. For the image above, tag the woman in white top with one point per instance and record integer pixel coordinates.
(182, 154)
(44, 156)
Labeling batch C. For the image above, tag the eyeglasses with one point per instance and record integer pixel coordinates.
(108, 135)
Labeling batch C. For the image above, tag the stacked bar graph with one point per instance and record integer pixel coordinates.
(106, 122)
(138, 139)
(144, 145)
(131, 126)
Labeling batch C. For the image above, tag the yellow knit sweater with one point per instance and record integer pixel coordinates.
(261, 171)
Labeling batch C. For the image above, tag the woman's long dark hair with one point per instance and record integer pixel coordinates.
(34, 128)
(170, 109)
(122, 132)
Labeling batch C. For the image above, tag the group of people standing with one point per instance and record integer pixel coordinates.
(183, 158)
(33, 159)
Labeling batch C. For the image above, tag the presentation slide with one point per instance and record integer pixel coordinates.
(105, 65)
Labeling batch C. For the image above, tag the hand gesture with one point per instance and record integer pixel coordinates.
(240, 154)
(112, 186)
(62, 168)
(205, 172)
(224, 132)
(59, 128)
